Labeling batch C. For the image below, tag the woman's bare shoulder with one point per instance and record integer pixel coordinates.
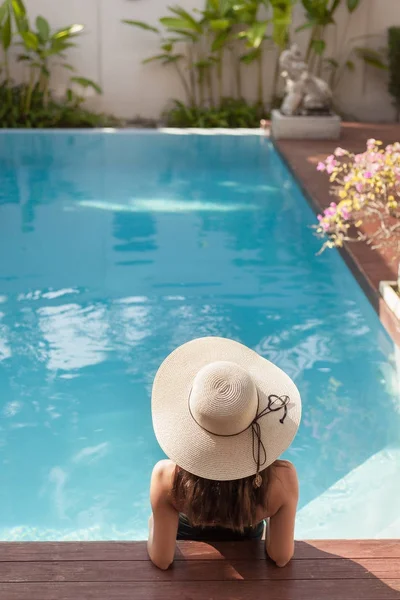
(284, 469)
(283, 485)
(163, 475)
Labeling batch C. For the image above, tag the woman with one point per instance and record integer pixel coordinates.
(223, 415)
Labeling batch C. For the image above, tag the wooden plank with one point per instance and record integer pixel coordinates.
(364, 589)
(202, 570)
(36, 551)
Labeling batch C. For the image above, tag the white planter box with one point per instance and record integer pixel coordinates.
(301, 128)
(388, 290)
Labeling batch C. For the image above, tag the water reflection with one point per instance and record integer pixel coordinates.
(75, 337)
(134, 232)
(135, 245)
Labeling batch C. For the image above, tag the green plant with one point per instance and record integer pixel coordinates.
(42, 49)
(197, 45)
(231, 113)
(12, 12)
(65, 113)
(394, 67)
(320, 16)
(254, 34)
(281, 22)
(183, 30)
(30, 104)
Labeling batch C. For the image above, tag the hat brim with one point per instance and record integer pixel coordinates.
(200, 452)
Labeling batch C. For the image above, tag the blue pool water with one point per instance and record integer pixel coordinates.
(114, 249)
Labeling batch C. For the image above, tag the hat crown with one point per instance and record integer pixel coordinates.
(224, 399)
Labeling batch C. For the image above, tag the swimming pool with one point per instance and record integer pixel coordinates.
(117, 247)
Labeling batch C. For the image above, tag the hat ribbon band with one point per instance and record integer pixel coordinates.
(275, 403)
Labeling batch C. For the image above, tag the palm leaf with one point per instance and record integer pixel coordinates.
(250, 56)
(219, 41)
(371, 57)
(43, 28)
(67, 32)
(6, 34)
(18, 9)
(318, 46)
(352, 5)
(141, 24)
(220, 24)
(185, 16)
(176, 23)
(87, 83)
(30, 39)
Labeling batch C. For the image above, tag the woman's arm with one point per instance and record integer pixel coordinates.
(280, 532)
(163, 523)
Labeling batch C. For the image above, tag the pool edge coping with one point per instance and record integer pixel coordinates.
(254, 132)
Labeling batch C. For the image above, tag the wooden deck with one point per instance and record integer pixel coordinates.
(332, 570)
(369, 266)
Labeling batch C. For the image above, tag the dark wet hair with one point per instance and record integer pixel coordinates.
(231, 504)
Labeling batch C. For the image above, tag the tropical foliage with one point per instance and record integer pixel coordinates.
(230, 113)
(225, 37)
(30, 103)
(228, 37)
(321, 16)
(211, 51)
(367, 188)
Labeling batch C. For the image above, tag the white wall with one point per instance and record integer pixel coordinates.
(111, 53)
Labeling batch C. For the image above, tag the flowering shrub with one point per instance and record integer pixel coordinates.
(367, 188)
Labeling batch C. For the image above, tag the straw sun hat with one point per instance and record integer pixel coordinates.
(221, 411)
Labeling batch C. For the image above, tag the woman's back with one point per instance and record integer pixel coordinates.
(278, 507)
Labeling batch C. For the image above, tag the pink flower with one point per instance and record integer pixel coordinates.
(371, 143)
(340, 152)
(331, 210)
(367, 174)
(331, 159)
(359, 187)
(320, 217)
(325, 226)
(330, 168)
(358, 158)
(321, 166)
(345, 213)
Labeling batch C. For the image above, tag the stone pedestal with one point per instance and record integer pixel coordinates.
(304, 128)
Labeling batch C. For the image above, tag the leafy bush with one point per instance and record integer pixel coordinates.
(30, 103)
(52, 113)
(201, 44)
(394, 67)
(367, 186)
(231, 113)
